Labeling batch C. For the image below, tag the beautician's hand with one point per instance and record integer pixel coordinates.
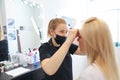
(72, 35)
(78, 36)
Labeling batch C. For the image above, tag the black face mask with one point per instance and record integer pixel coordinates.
(60, 39)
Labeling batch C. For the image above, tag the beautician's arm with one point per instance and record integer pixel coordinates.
(51, 65)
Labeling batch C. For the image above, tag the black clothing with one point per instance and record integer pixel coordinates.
(65, 70)
(3, 50)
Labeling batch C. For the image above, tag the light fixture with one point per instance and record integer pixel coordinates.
(32, 3)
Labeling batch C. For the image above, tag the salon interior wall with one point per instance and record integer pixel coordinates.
(21, 14)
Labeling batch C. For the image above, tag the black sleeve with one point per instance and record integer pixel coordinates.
(44, 51)
(73, 48)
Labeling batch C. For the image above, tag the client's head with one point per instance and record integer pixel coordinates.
(96, 39)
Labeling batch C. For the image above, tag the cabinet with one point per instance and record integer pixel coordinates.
(35, 73)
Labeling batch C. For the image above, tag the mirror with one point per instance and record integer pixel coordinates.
(23, 23)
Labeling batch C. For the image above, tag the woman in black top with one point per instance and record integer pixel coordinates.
(55, 55)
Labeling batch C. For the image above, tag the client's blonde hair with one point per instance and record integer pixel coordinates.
(99, 46)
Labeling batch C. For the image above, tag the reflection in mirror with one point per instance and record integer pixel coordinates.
(22, 17)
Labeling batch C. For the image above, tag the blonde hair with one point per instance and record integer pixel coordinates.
(52, 25)
(99, 46)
